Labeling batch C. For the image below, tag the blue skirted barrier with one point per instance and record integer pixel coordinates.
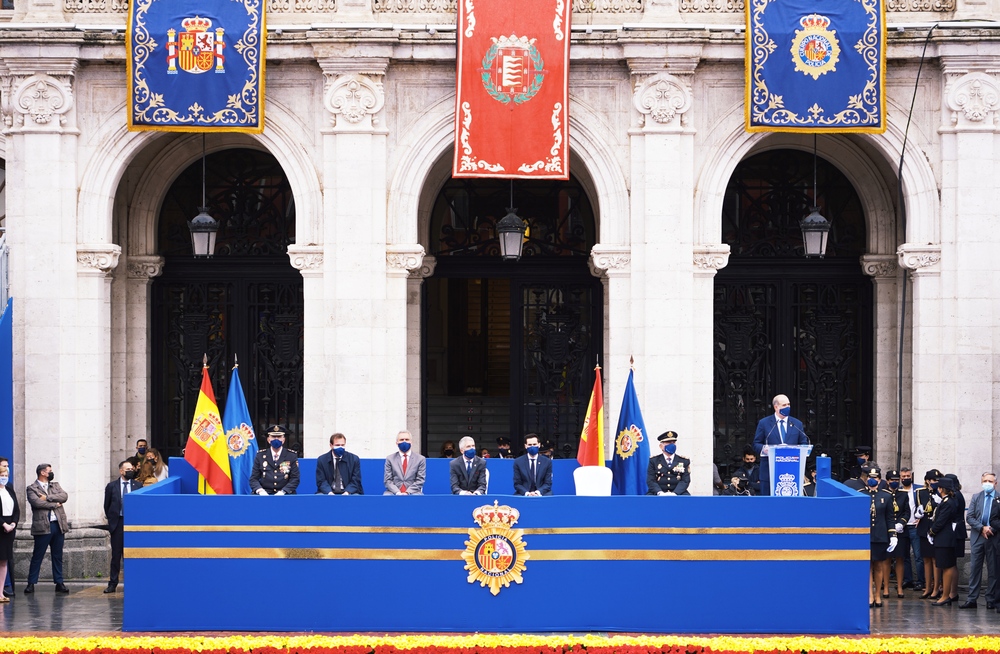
(431, 564)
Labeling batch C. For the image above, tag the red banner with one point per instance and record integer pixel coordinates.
(512, 105)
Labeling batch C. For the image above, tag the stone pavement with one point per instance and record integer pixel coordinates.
(87, 611)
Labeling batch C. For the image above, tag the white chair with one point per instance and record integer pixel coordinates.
(593, 480)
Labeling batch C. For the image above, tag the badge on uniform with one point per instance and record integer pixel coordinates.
(679, 468)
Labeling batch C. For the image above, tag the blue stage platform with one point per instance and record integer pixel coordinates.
(402, 564)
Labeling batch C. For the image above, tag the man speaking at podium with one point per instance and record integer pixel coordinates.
(778, 429)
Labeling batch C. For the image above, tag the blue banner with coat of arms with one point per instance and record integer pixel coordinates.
(196, 66)
(815, 67)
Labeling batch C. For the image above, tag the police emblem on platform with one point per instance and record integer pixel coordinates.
(786, 486)
(495, 554)
(628, 441)
(815, 50)
(239, 438)
(512, 69)
(197, 49)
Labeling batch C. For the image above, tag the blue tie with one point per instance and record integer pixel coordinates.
(986, 508)
(781, 429)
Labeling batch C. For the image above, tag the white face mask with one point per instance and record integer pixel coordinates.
(4, 480)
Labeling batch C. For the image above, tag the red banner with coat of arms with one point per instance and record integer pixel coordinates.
(511, 110)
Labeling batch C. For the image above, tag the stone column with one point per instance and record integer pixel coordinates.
(708, 259)
(612, 264)
(403, 382)
(884, 271)
(414, 302)
(141, 270)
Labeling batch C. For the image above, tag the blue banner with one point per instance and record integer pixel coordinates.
(815, 67)
(631, 457)
(240, 436)
(196, 66)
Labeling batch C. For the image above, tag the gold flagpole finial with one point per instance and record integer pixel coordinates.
(204, 360)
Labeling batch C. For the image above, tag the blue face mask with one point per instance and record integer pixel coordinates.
(141, 450)
(276, 443)
(861, 461)
(987, 487)
(785, 411)
(470, 453)
(532, 450)
(893, 485)
(872, 482)
(404, 446)
(339, 451)
(670, 448)
(934, 486)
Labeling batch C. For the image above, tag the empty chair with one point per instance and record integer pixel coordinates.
(592, 480)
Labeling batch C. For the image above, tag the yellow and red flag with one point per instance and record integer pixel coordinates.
(591, 451)
(206, 448)
(512, 98)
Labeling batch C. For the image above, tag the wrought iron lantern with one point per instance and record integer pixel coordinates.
(815, 228)
(203, 227)
(510, 233)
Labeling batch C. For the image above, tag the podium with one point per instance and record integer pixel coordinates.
(787, 465)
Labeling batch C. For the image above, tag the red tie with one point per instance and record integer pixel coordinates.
(402, 489)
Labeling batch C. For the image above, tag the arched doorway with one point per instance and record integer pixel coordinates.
(244, 302)
(786, 324)
(509, 348)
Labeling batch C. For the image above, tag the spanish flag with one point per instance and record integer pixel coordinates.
(591, 452)
(206, 449)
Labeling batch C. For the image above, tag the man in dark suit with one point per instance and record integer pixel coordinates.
(113, 493)
(777, 429)
(532, 471)
(338, 472)
(276, 468)
(468, 472)
(911, 579)
(982, 542)
(669, 473)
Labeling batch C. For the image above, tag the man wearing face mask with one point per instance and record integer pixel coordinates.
(338, 472)
(751, 469)
(141, 447)
(503, 448)
(669, 473)
(113, 494)
(532, 471)
(982, 542)
(49, 526)
(275, 468)
(739, 484)
(405, 470)
(856, 474)
(468, 472)
(911, 489)
(777, 429)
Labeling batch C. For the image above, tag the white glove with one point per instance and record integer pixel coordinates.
(280, 493)
(930, 539)
(660, 493)
(919, 513)
(261, 491)
(670, 493)
(899, 527)
(937, 499)
(892, 544)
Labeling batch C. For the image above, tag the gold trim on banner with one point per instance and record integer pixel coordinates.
(539, 531)
(379, 554)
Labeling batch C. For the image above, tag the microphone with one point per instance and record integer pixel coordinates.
(806, 436)
(766, 438)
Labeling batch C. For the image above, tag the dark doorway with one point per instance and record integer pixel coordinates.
(785, 324)
(509, 348)
(244, 302)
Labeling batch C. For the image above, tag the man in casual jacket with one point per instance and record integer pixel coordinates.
(49, 526)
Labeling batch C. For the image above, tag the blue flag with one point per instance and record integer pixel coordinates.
(631, 457)
(240, 436)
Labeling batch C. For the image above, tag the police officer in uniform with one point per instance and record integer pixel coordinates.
(668, 474)
(925, 501)
(901, 515)
(862, 457)
(883, 535)
(503, 448)
(739, 484)
(276, 468)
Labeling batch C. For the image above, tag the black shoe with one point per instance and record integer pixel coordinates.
(111, 588)
(907, 584)
(918, 586)
(968, 605)
(8, 592)
(29, 589)
(946, 602)
(61, 588)
(990, 605)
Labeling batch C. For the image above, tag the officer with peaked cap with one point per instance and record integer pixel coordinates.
(862, 457)
(275, 468)
(503, 448)
(668, 473)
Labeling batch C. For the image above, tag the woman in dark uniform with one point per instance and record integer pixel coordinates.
(883, 535)
(926, 504)
(942, 537)
(961, 532)
(901, 515)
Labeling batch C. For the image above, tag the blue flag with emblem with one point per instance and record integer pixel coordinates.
(196, 66)
(815, 67)
(631, 457)
(240, 437)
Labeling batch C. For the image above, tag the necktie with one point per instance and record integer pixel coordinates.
(124, 493)
(781, 429)
(986, 508)
(534, 480)
(468, 468)
(533, 477)
(338, 482)
(403, 487)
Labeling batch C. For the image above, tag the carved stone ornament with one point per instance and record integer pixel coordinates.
(710, 259)
(144, 266)
(354, 100)
(97, 259)
(425, 270)
(307, 259)
(41, 103)
(401, 259)
(610, 260)
(921, 259)
(662, 100)
(973, 100)
(880, 266)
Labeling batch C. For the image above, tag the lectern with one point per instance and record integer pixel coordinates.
(787, 465)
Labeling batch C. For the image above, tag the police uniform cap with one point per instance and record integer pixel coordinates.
(874, 471)
(946, 483)
(933, 473)
(862, 449)
(503, 440)
(892, 474)
(667, 436)
(741, 475)
(276, 430)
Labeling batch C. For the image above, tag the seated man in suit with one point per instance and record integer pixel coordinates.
(532, 471)
(777, 429)
(468, 472)
(668, 474)
(404, 470)
(276, 468)
(338, 472)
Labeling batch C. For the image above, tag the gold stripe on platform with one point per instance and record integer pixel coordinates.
(539, 531)
(449, 555)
